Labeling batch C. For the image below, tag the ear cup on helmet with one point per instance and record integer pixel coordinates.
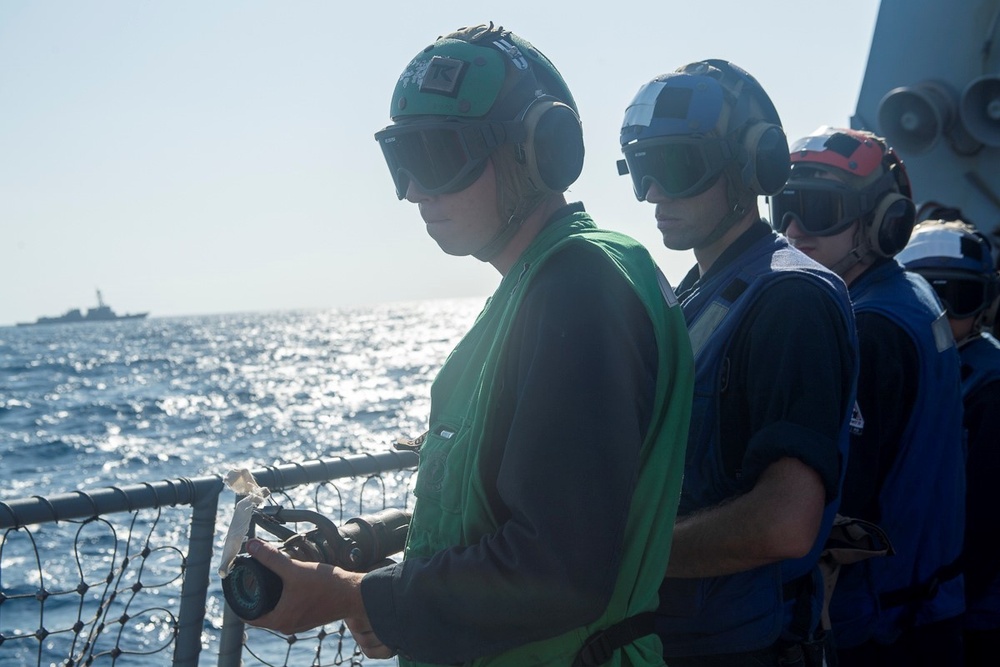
(891, 225)
(553, 148)
(766, 163)
(992, 289)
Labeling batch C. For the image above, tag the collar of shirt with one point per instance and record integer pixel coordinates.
(754, 233)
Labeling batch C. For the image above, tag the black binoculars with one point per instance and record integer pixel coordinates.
(362, 544)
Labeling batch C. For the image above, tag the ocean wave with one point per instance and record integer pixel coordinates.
(177, 397)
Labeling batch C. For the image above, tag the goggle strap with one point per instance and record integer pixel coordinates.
(870, 196)
(498, 133)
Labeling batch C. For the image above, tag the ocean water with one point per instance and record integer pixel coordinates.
(94, 405)
(111, 403)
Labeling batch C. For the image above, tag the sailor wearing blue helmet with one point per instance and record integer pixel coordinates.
(775, 359)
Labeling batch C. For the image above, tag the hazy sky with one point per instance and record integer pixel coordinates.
(191, 157)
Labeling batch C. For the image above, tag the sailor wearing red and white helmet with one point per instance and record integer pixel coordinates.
(848, 205)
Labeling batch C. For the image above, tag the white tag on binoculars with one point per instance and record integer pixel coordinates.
(242, 483)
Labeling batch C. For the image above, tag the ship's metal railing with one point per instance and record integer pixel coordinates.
(186, 628)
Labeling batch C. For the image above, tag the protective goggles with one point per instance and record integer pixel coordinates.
(961, 294)
(822, 207)
(679, 166)
(444, 156)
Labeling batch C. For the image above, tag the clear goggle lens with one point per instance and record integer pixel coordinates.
(679, 166)
(824, 207)
(444, 156)
(960, 294)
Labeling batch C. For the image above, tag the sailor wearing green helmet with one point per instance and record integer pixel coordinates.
(551, 469)
(478, 101)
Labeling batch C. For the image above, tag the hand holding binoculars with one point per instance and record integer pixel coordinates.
(361, 544)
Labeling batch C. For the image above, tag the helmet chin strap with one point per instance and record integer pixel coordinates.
(500, 240)
(522, 210)
(736, 213)
(858, 253)
(512, 186)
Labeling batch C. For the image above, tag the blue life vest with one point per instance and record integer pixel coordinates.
(980, 363)
(743, 611)
(981, 366)
(922, 500)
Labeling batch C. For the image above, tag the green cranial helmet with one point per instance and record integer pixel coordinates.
(470, 93)
(478, 73)
(481, 95)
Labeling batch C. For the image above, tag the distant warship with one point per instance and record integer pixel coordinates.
(102, 313)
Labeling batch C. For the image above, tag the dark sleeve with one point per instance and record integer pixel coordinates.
(579, 385)
(982, 549)
(792, 381)
(887, 387)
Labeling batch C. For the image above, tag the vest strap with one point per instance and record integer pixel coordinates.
(601, 645)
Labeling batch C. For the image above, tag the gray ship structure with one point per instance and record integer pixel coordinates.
(102, 313)
(932, 89)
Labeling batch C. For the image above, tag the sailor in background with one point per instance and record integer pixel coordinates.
(776, 362)
(848, 205)
(957, 260)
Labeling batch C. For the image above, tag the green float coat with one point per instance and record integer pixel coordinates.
(452, 508)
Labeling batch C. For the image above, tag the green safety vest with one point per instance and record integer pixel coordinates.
(452, 508)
